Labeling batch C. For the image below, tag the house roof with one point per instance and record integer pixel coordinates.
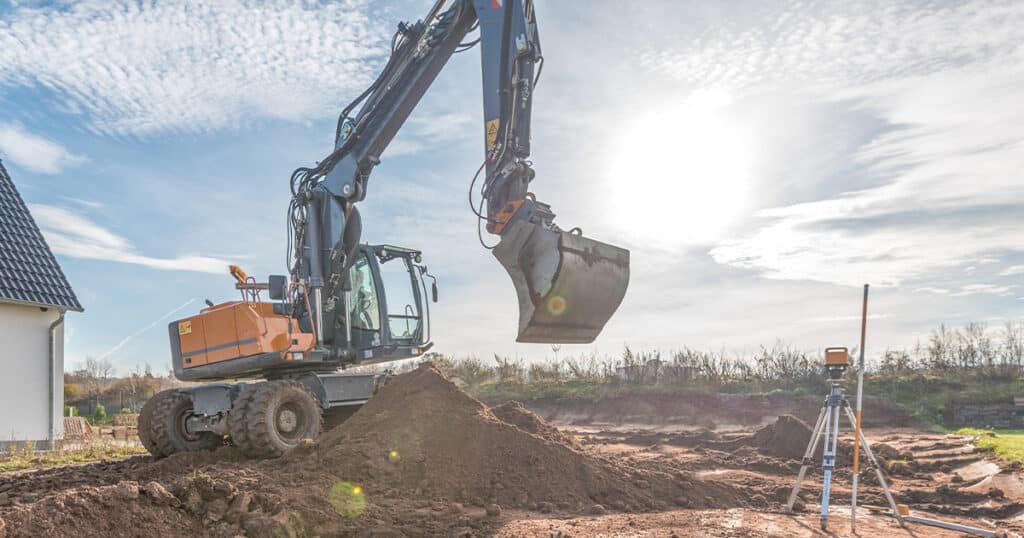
(29, 274)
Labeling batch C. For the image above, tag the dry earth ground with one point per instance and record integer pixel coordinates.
(425, 459)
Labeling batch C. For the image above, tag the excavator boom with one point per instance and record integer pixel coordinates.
(567, 285)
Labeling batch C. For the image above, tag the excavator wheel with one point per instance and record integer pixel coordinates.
(278, 417)
(145, 425)
(236, 417)
(168, 431)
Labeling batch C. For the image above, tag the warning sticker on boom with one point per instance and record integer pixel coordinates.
(492, 134)
(184, 327)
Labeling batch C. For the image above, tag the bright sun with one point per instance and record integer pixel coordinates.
(682, 170)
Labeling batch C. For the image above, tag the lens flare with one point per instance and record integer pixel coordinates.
(557, 305)
(393, 456)
(347, 499)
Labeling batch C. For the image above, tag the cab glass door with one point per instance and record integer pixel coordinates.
(404, 316)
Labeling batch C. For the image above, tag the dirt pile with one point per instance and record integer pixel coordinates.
(787, 438)
(516, 414)
(422, 436)
(421, 458)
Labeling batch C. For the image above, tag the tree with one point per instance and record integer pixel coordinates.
(95, 374)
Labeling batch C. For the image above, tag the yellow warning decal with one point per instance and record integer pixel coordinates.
(492, 134)
(184, 327)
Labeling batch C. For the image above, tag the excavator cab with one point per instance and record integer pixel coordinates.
(383, 315)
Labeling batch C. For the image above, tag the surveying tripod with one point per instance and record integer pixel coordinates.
(836, 362)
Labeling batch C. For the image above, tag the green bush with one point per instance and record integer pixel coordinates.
(100, 414)
(126, 411)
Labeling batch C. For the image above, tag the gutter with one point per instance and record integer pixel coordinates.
(53, 383)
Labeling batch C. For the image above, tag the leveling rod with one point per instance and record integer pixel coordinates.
(904, 512)
(860, 405)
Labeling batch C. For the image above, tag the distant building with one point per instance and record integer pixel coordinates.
(34, 295)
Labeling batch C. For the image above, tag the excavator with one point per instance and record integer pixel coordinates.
(332, 310)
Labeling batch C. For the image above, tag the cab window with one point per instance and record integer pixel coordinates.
(403, 306)
(365, 309)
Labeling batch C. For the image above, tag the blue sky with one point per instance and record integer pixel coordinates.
(760, 160)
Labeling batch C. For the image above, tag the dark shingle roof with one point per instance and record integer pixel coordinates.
(29, 273)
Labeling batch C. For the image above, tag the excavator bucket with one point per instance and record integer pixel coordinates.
(568, 285)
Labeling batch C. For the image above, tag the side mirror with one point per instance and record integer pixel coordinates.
(433, 290)
(276, 286)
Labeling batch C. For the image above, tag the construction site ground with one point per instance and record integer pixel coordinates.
(425, 459)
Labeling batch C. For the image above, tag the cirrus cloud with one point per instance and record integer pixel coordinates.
(71, 234)
(145, 68)
(33, 152)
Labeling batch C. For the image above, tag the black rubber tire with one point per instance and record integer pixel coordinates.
(169, 435)
(145, 423)
(237, 425)
(280, 415)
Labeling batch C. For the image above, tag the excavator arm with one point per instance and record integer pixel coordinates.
(567, 285)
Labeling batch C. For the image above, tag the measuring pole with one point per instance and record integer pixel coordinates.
(860, 402)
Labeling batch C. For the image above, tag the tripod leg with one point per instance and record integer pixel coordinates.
(878, 470)
(831, 440)
(806, 461)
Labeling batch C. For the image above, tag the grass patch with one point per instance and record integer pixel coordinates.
(27, 457)
(1006, 444)
(347, 499)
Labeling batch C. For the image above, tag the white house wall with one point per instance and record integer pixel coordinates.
(25, 371)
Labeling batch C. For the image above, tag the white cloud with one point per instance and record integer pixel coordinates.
(71, 234)
(831, 319)
(938, 182)
(828, 45)
(88, 204)
(990, 289)
(1013, 270)
(929, 289)
(34, 152)
(154, 67)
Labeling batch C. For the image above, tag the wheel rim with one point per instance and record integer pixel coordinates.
(182, 424)
(290, 422)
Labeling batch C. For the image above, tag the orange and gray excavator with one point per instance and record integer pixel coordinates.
(332, 311)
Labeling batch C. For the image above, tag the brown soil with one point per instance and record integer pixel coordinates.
(705, 409)
(423, 436)
(420, 458)
(424, 459)
(787, 438)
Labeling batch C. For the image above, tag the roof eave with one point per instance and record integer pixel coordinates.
(5, 300)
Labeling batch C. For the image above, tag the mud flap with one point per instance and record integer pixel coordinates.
(568, 286)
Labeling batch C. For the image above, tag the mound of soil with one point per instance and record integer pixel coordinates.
(423, 436)
(786, 438)
(516, 414)
(421, 458)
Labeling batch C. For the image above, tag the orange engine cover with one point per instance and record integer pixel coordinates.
(238, 329)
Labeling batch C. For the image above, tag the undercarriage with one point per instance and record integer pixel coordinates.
(262, 419)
